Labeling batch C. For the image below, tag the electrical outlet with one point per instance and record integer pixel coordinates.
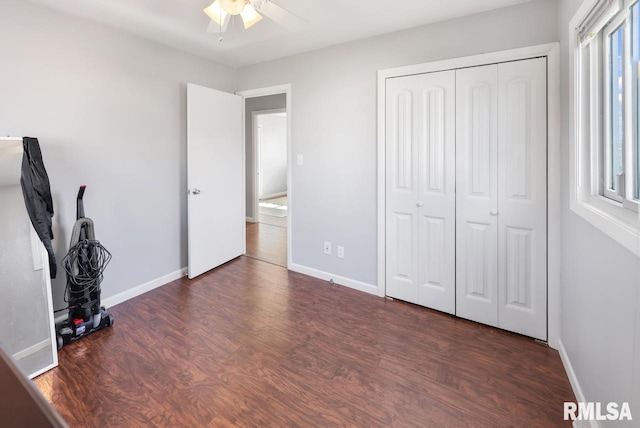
(327, 248)
(340, 251)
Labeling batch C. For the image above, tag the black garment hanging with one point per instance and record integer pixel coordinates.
(37, 196)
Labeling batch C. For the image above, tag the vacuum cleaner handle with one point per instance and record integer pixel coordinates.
(79, 203)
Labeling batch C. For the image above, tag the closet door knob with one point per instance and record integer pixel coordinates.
(493, 212)
(420, 204)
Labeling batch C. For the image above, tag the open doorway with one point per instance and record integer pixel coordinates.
(267, 176)
(270, 148)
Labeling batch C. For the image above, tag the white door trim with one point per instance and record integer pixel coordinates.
(552, 52)
(262, 92)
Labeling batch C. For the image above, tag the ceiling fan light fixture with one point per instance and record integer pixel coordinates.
(233, 7)
(250, 16)
(216, 13)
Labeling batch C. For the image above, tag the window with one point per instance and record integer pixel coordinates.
(609, 51)
(606, 155)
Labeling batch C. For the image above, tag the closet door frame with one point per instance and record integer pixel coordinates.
(551, 51)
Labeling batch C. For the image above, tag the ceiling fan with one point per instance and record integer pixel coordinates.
(251, 11)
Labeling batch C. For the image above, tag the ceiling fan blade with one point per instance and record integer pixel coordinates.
(250, 16)
(280, 15)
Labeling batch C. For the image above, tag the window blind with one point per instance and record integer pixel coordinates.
(597, 19)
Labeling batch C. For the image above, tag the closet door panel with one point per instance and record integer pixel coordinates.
(522, 197)
(436, 152)
(476, 194)
(420, 189)
(402, 277)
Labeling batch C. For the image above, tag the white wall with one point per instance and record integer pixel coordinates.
(333, 115)
(109, 110)
(273, 154)
(599, 286)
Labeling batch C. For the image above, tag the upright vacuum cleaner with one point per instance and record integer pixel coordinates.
(84, 265)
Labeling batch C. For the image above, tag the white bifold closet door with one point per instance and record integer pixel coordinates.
(501, 200)
(420, 189)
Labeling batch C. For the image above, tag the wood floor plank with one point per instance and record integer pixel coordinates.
(267, 242)
(251, 344)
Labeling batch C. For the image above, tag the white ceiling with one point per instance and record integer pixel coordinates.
(182, 24)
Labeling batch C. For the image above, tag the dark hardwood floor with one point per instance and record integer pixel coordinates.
(253, 345)
(267, 242)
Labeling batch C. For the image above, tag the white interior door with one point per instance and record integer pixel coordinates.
(215, 178)
(476, 194)
(420, 212)
(522, 197)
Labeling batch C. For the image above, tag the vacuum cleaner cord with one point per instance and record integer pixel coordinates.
(85, 264)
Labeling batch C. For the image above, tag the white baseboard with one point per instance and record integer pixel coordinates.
(143, 288)
(347, 282)
(573, 380)
(273, 195)
(250, 220)
(575, 385)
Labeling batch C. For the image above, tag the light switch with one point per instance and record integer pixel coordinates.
(300, 160)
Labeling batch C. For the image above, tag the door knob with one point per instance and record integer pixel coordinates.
(493, 212)
(420, 204)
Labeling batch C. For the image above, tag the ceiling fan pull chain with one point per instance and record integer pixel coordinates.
(220, 38)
